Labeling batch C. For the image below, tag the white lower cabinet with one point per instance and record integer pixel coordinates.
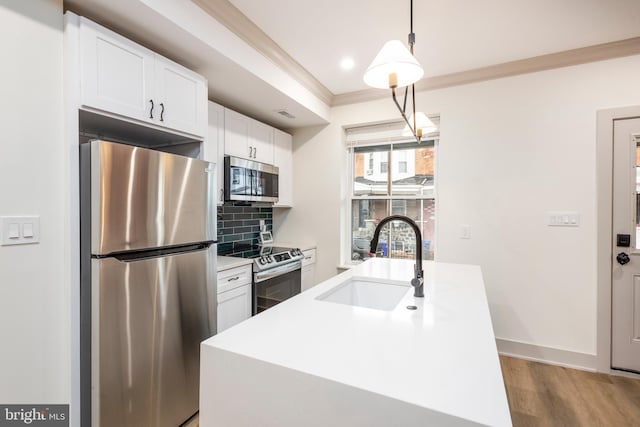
(234, 296)
(308, 269)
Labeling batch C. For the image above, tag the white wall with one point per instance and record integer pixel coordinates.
(510, 150)
(34, 320)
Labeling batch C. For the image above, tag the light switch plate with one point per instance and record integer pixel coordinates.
(465, 231)
(11, 224)
(563, 219)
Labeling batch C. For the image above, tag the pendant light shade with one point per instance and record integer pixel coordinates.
(394, 66)
(423, 123)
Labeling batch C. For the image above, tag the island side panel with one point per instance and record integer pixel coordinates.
(240, 391)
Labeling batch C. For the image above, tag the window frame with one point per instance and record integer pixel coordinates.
(390, 197)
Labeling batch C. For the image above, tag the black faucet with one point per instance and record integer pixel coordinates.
(417, 282)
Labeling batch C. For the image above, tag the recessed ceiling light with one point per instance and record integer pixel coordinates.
(347, 63)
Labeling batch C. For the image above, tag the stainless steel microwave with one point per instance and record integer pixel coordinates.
(249, 181)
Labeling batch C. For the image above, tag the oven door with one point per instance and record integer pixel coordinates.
(273, 286)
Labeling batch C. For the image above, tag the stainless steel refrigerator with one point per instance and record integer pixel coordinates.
(148, 283)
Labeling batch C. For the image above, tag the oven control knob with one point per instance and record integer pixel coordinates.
(269, 259)
(261, 260)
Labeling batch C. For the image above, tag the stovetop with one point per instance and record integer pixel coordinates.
(265, 257)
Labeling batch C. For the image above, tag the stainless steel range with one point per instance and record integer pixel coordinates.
(276, 273)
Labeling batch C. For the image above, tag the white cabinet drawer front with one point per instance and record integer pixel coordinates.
(309, 257)
(117, 75)
(234, 306)
(233, 278)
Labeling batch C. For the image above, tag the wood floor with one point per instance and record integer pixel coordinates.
(546, 395)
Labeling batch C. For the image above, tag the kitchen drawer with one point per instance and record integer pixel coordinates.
(234, 277)
(309, 257)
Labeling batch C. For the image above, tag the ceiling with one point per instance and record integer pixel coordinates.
(263, 56)
(451, 35)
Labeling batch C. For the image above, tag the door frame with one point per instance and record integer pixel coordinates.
(604, 208)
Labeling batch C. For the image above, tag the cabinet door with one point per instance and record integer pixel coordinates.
(261, 139)
(234, 306)
(213, 146)
(236, 134)
(307, 279)
(181, 98)
(117, 75)
(283, 159)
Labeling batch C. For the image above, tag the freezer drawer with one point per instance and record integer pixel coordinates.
(143, 198)
(148, 319)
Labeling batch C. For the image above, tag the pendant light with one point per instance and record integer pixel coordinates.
(396, 67)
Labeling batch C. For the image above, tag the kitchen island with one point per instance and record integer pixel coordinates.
(310, 362)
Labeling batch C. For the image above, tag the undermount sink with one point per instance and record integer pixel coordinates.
(366, 292)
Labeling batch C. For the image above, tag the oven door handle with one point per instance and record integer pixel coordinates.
(261, 276)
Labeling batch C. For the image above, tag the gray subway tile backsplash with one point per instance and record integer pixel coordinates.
(240, 225)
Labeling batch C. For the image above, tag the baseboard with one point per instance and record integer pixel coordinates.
(553, 356)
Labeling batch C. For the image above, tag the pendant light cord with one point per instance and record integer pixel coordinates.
(412, 36)
(412, 40)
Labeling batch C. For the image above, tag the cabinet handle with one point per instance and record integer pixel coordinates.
(307, 257)
(222, 195)
(162, 112)
(151, 112)
(255, 152)
(233, 278)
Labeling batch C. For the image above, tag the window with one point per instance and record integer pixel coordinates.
(404, 186)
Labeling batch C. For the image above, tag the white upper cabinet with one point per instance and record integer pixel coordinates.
(181, 97)
(121, 77)
(236, 135)
(283, 159)
(213, 146)
(261, 139)
(117, 75)
(247, 138)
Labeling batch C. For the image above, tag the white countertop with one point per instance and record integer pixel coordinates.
(229, 262)
(441, 357)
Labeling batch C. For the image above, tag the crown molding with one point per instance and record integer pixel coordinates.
(566, 58)
(229, 16)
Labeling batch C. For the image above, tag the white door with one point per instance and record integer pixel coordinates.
(261, 139)
(117, 75)
(236, 135)
(625, 298)
(283, 159)
(234, 306)
(213, 146)
(181, 98)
